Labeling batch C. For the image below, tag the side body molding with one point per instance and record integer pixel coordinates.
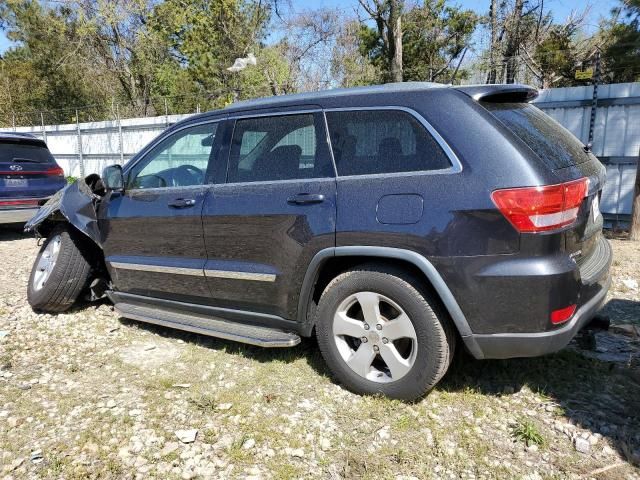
(412, 257)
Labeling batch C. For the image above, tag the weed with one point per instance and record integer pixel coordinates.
(527, 432)
(204, 402)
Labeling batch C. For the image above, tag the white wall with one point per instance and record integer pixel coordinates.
(616, 137)
(100, 141)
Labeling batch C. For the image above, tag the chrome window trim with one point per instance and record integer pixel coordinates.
(456, 165)
(271, 182)
(274, 114)
(161, 138)
(227, 274)
(141, 191)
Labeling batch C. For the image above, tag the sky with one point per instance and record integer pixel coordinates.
(560, 9)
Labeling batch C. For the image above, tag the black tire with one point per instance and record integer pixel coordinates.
(435, 336)
(69, 275)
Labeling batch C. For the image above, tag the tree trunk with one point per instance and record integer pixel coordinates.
(493, 49)
(395, 39)
(634, 229)
(513, 43)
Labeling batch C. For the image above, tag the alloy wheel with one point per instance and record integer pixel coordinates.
(375, 337)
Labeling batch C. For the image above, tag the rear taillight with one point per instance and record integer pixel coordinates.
(54, 172)
(49, 172)
(539, 209)
(18, 203)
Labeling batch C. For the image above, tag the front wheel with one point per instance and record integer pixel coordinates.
(60, 272)
(379, 334)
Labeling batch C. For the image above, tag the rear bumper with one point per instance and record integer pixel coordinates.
(521, 294)
(17, 215)
(514, 345)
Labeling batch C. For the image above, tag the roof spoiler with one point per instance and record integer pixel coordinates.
(500, 93)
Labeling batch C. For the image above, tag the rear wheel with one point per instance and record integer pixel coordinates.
(60, 272)
(379, 334)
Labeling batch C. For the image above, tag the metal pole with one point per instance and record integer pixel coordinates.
(79, 138)
(594, 99)
(166, 113)
(13, 121)
(44, 132)
(120, 142)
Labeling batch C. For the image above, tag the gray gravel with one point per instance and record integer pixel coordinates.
(86, 394)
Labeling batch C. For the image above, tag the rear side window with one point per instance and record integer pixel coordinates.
(24, 152)
(368, 142)
(275, 148)
(554, 144)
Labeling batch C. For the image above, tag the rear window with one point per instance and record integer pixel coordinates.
(553, 143)
(24, 152)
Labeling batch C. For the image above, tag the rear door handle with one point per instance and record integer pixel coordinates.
(182, 203)
(306, 198)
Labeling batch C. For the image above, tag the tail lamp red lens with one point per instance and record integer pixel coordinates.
(18, 203)
(540, 209)
(562, 314)
(49, 172)
(55, 172)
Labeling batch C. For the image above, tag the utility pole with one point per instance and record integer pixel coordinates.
(594, 97)
(44, 131)
(79, 144)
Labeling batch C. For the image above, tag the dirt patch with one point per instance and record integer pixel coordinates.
(149, 355)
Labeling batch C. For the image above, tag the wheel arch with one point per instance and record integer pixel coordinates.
(91, 250)
(354, 255)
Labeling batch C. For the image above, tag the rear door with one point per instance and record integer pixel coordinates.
(154, 244)
(392, 170)
(274, 212)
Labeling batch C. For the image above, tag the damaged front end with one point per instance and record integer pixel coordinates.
(77, 204)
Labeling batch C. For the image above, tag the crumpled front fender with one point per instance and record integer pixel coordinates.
(77, 204)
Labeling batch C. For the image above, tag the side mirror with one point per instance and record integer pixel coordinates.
(112, 178)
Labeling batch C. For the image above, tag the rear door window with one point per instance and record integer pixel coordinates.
(555, 145)
(24, 152)
(369, 142)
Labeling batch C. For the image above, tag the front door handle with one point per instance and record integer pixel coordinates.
(306, 198)
(182, 203)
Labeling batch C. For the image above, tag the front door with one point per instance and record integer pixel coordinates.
(276, 210)
(154, 244)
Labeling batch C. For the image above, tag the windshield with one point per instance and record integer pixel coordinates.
(553, 143)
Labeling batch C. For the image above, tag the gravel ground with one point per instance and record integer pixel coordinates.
(89, 395)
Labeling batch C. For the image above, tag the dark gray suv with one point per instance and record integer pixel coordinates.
(391, 222)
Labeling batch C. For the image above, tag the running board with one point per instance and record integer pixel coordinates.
(214, 327)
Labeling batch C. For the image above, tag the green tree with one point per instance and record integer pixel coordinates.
(621, 55)
(47, 69)
(436, 37)
(205, 37)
